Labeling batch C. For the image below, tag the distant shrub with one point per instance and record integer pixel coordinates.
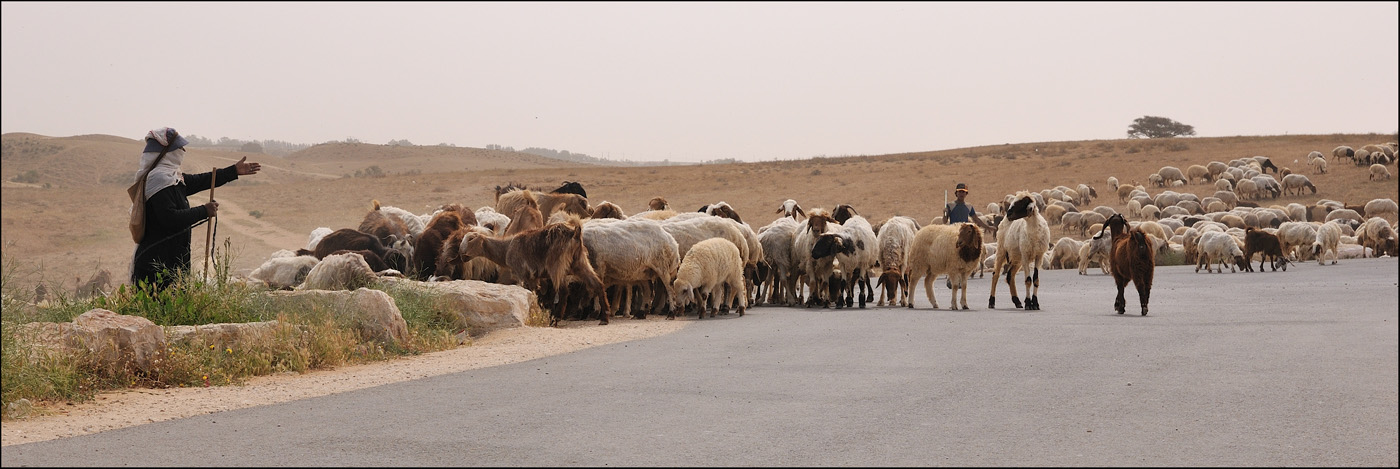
(1178, 146)
(256, 213)
(816, 172)
(29, 177)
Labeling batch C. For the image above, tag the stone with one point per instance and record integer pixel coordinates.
(120, 341)
(222, 334)
(372, 311)
(480, 307)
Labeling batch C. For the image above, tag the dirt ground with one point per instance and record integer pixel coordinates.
(141, 406)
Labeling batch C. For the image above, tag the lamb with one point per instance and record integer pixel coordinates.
(1022, 238)
(954, 250)
(1329, 236)
(1132, 259)
(347, 271)
(1318, 163)
(1267, 246)
(894, 240)
(1112, 183)
(1095, 249)
(1065, 253)
(1296, 183)
(1378, 173)
(1169, 174)
(631, 253)
(711, 267)
(1218, 246)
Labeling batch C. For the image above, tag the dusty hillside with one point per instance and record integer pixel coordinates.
(76, 225)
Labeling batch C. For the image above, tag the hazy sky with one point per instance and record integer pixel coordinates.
(698, 81)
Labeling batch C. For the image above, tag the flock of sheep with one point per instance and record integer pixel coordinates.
(593, 260)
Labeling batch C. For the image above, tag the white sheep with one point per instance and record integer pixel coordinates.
(415, 223)
(1383, 208)
(1329, 236)
(1378, 172)
(283, 272)
(1169, 174)
(488, 217)
(1095, 249)
(859, 259)
(953, 250)
(1022, 239)
(791, 209)
(1065, 253)
(895, 237)
(1296, 183)
(347, 271)
(1318, 163)
(776, 238)
(1218, 246)
(315, 237)
(1195, 172)
(714, 268)
(628, 254)
(1377, 235)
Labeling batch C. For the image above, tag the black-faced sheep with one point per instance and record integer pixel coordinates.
(860, 256)
(953, 250)
(1022, 239)
(713, 268)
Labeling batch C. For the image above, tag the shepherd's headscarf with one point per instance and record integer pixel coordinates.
(167, 173)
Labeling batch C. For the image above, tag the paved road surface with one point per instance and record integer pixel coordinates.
(1294, 368)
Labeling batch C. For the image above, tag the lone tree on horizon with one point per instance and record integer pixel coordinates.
(1158, 127)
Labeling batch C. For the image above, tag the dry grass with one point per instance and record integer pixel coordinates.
(74, 227)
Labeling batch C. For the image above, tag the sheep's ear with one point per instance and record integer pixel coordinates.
(780, 210)
(799, 211)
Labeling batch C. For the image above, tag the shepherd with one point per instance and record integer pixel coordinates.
(161, 218)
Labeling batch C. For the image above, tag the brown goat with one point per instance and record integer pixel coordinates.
(1267, 246)
(1132, 259)
(658, 203)
(346, 239)
(429, 245)
(386, 227)
(551, 254)
(608, 210)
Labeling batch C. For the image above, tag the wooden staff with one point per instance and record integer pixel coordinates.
(209, 227)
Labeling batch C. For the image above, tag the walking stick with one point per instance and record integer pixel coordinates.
(209, 228)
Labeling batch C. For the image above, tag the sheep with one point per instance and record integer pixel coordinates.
(1132, 259)
(777, 240)
(1344, 214)
(1022, 238)
(1055, 213)
(814, 275)
(1247, 189)
(1267, 246)
(1296, 183)
(489, 218)
(1343, 151)
(1169, 174)
(1112, 183)
(1317, 162)
(632, 253)
(552, 253)
(1095, 249)
(792, 210)
(1296, 236)
(722, 209)
(1125, 192)
(1195, 172)
(711, 267)
(1157, 179)
(524, 213)
(607, 209)
(658, 215)
(954, 250)
(1378, 172)
(895, 237)
(1266, 183)
(1329, 236)
(1217, 246)
(1377, 234)
(347, 271)
(1383, 208)
(315, 237)
(284, 272)
(858, 257)
(1086, 194)
(1065, 253)
(1089, 219)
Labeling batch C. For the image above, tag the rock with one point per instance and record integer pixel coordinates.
(480, 307)
(20, 408)
(119, 341)
(372, 311)
(347, 271)
(222, 334)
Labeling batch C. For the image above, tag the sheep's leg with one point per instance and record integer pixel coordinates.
(996, 271)
(904, 291)
(1033, 304)
(884, 291)
(928, 289)
(869, 291)
(1011, 284)
(962, 285)
(912, 280)
(741, 295)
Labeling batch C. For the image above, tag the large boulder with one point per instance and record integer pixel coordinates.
(479, 307)
(222, 334)
(372, 311)
(119, 341)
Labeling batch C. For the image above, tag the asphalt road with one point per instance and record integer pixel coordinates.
(1295, 368)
